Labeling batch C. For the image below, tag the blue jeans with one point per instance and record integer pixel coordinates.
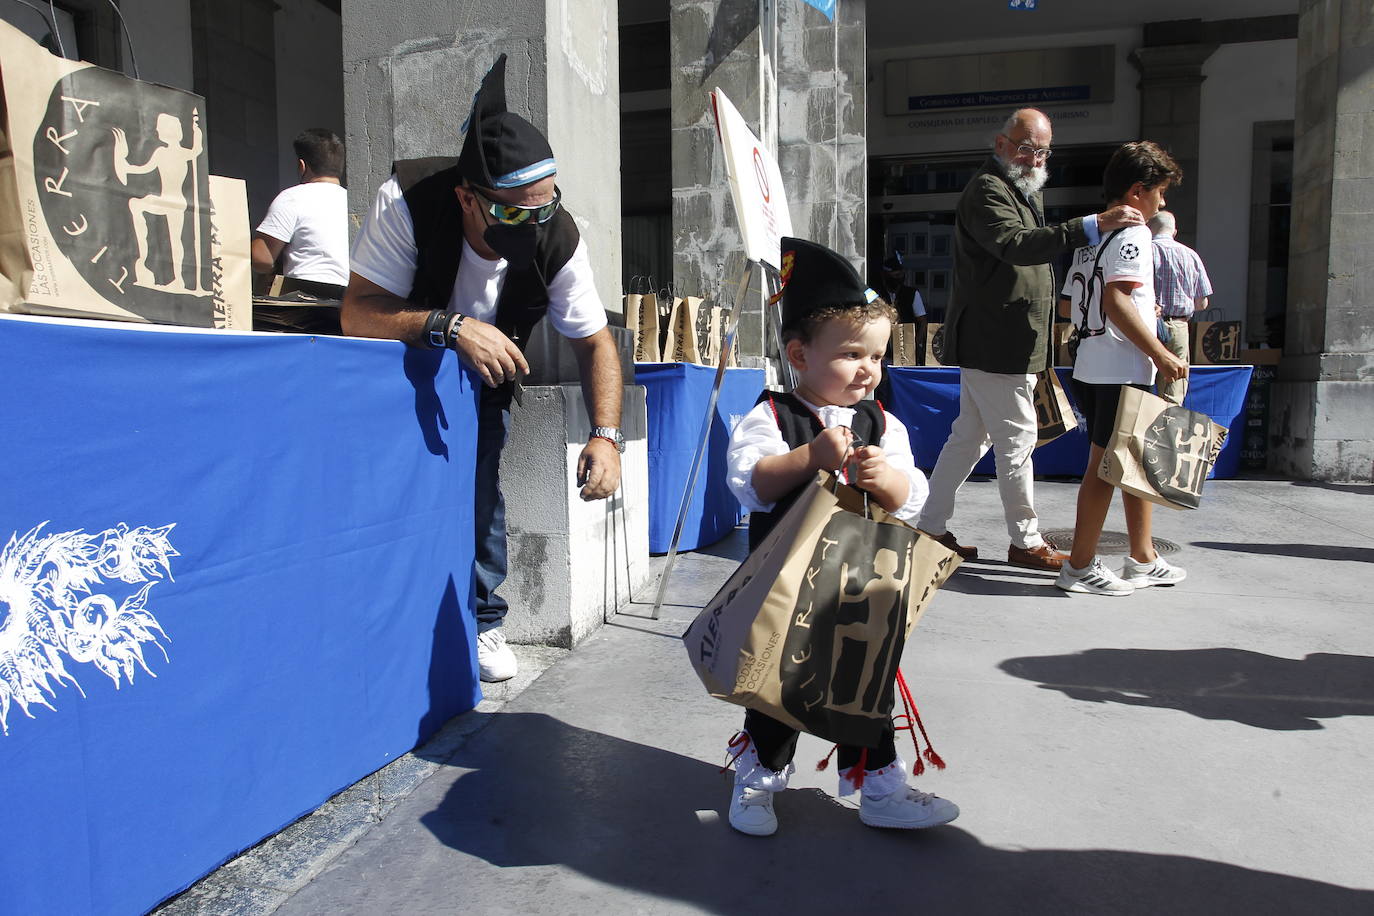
(489, 507)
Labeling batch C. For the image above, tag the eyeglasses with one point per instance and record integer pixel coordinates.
(514, 214)
(1025, 149)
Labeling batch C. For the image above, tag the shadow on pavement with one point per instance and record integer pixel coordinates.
(652, 823)
(1235, 684)
(967, 581)
(1308, 551)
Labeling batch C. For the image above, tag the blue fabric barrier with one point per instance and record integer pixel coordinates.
(927, 401)
(676, 395)
(289, 520)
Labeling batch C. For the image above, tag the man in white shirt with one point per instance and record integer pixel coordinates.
(470, 256)
(307, 225)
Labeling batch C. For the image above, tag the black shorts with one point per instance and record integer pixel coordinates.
(1097, 404)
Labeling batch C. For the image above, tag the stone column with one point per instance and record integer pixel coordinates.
(410, 71)
(821, 148)
(1170, 115)
(1322, 409)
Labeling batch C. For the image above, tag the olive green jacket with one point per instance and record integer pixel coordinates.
(1002, 303)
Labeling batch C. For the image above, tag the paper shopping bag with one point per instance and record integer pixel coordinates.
(1159, 451)
(906, 348)
(106, 205)
(1215, 343)
(810, 628)
(935, 345)
(1053, 411)
(646, 340)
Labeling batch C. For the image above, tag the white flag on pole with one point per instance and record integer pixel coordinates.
(755, 184)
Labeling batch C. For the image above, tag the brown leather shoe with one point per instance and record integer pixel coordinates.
(947, 539)
(1042, 557)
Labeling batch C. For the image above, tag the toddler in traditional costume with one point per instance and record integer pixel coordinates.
(835, 331)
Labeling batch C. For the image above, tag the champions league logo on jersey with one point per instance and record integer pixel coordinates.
(845, 641)
(123, 185)
(1129, 252)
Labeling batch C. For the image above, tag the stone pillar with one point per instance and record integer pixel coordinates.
(234, 68)
(1170, 115)
(1322, 408)
(410, 71)
(821, 148)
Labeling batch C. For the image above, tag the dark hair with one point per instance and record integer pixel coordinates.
(1140, 161)
(857, 312)
(321, 150)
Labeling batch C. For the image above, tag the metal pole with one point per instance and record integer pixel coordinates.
(741, 290)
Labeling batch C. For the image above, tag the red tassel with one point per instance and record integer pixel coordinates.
(825, 761)
(913, 715)
(855, 774)
(743, 740)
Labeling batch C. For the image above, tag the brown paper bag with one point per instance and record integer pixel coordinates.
(906, 349)
(935, 345)
(1053, 411)
(681, 345)
(646, 341)
(630, 307)
(105, 199)
(709, 333)
(1215, 343)
(1159, 451)
(810, 628)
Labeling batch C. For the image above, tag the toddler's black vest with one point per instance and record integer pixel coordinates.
(427, 186)
(799, 426)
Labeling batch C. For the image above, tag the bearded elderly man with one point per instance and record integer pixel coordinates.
(998, 330)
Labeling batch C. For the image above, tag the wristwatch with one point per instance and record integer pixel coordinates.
(611, 434)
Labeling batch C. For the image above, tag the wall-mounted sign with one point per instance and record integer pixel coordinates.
(1012, 79)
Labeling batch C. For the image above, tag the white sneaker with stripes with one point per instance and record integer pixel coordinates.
(1096, 579)
(1158, 572)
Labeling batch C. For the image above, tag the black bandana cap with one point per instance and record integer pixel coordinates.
(814, 277)
(500, 148)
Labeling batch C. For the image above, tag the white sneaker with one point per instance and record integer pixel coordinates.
(751, 811)
(907, 809)
(495, 660)
(1160, 572)
(1096, 579)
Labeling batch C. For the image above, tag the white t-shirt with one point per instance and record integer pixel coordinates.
(757, 436)
(1108, 358)
(312, 219)
(385, 253)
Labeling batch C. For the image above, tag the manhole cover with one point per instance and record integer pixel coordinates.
(1112, 543)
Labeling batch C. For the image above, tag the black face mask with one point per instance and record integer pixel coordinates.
(516, 244)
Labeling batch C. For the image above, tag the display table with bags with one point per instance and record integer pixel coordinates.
(926, 400)
(235, 578)
(676, 395)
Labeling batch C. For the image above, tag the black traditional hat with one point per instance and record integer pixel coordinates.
(501, 149)
(814, 277)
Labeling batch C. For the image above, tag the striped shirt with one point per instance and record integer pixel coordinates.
(1180, 277)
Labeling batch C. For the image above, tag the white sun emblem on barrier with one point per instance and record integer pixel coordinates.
(51, 615)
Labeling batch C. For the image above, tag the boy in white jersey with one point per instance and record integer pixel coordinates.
(1118, 347)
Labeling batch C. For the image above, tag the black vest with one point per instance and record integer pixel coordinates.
(427, 186)
(800, 426)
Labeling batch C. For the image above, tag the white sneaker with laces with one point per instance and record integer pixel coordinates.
(495, 660)
(1096, 579)
(906, 809)
(1160, 572)
(751, 811)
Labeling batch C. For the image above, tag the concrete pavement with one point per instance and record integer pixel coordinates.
(1200, 749)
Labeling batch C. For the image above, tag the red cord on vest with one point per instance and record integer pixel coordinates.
(913, 718)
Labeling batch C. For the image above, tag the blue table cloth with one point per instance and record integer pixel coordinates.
(238, 578)
(676, 396)
(927, 401)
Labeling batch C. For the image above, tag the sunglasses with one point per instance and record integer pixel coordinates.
(514, 214)
(1025, 149)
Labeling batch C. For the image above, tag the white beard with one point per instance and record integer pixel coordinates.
(1028, 179)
